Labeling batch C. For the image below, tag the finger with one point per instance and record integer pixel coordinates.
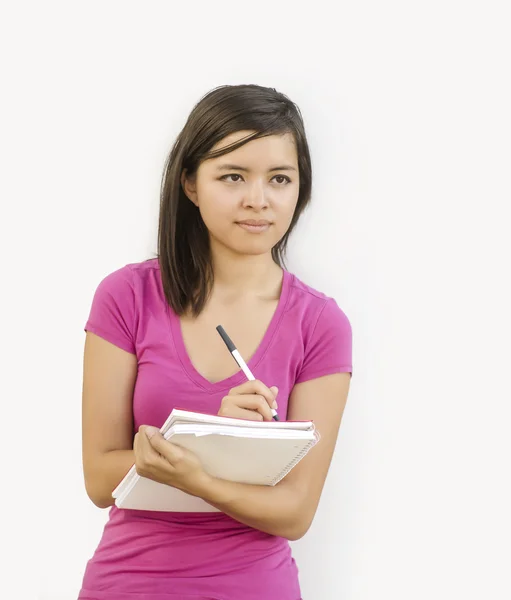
(147, 459)
(250, 415)
(237, 412)
(257, 387)
(142, 445)
(170, 452)
(253, 402)
(275, 390)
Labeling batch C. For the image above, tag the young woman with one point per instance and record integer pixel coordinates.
(235, 183)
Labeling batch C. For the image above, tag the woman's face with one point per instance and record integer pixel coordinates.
(247, 197)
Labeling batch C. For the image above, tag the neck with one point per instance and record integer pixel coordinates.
(241, 273)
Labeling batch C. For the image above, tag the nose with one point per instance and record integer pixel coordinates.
(256, 196)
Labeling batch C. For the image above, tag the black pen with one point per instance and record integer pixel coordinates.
(242, 364)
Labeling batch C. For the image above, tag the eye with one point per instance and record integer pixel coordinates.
(224, 177)
(284, 177)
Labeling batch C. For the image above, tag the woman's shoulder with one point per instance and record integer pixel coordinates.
(323, 329)
(306, 291)
(128, 270)
(131, 272)
(131, 282)
(312, 303)
(144, 266)
(122, 299)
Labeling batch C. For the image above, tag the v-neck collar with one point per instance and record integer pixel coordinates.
(238, 377)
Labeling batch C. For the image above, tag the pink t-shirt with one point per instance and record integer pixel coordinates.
(208, 556)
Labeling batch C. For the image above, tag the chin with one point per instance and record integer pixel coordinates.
(252, 249)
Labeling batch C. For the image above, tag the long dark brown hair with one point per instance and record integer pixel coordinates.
(183, 239)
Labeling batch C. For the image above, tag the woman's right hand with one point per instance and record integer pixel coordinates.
(252, 401)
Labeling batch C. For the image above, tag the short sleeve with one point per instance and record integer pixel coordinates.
(329, 347)
(112, 314)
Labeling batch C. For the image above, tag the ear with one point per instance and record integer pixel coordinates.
(188, 183)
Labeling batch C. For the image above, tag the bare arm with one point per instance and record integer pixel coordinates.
(109, 375)
(288, 508)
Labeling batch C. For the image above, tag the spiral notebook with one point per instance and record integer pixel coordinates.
(242, 451)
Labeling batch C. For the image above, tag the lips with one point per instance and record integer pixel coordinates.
(254, 226)
(254, 222)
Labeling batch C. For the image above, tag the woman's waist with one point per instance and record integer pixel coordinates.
(180, 543)
(176, 521)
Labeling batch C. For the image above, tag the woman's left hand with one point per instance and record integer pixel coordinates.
(162, 461)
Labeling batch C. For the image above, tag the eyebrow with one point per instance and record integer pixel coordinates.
(229, 167)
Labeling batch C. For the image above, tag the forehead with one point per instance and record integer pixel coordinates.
(266, 149)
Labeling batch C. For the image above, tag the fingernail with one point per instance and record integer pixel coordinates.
(150, 431)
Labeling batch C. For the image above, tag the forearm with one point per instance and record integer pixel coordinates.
(277, 510)
(105, 474)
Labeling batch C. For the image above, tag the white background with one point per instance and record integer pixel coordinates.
(407, 108)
